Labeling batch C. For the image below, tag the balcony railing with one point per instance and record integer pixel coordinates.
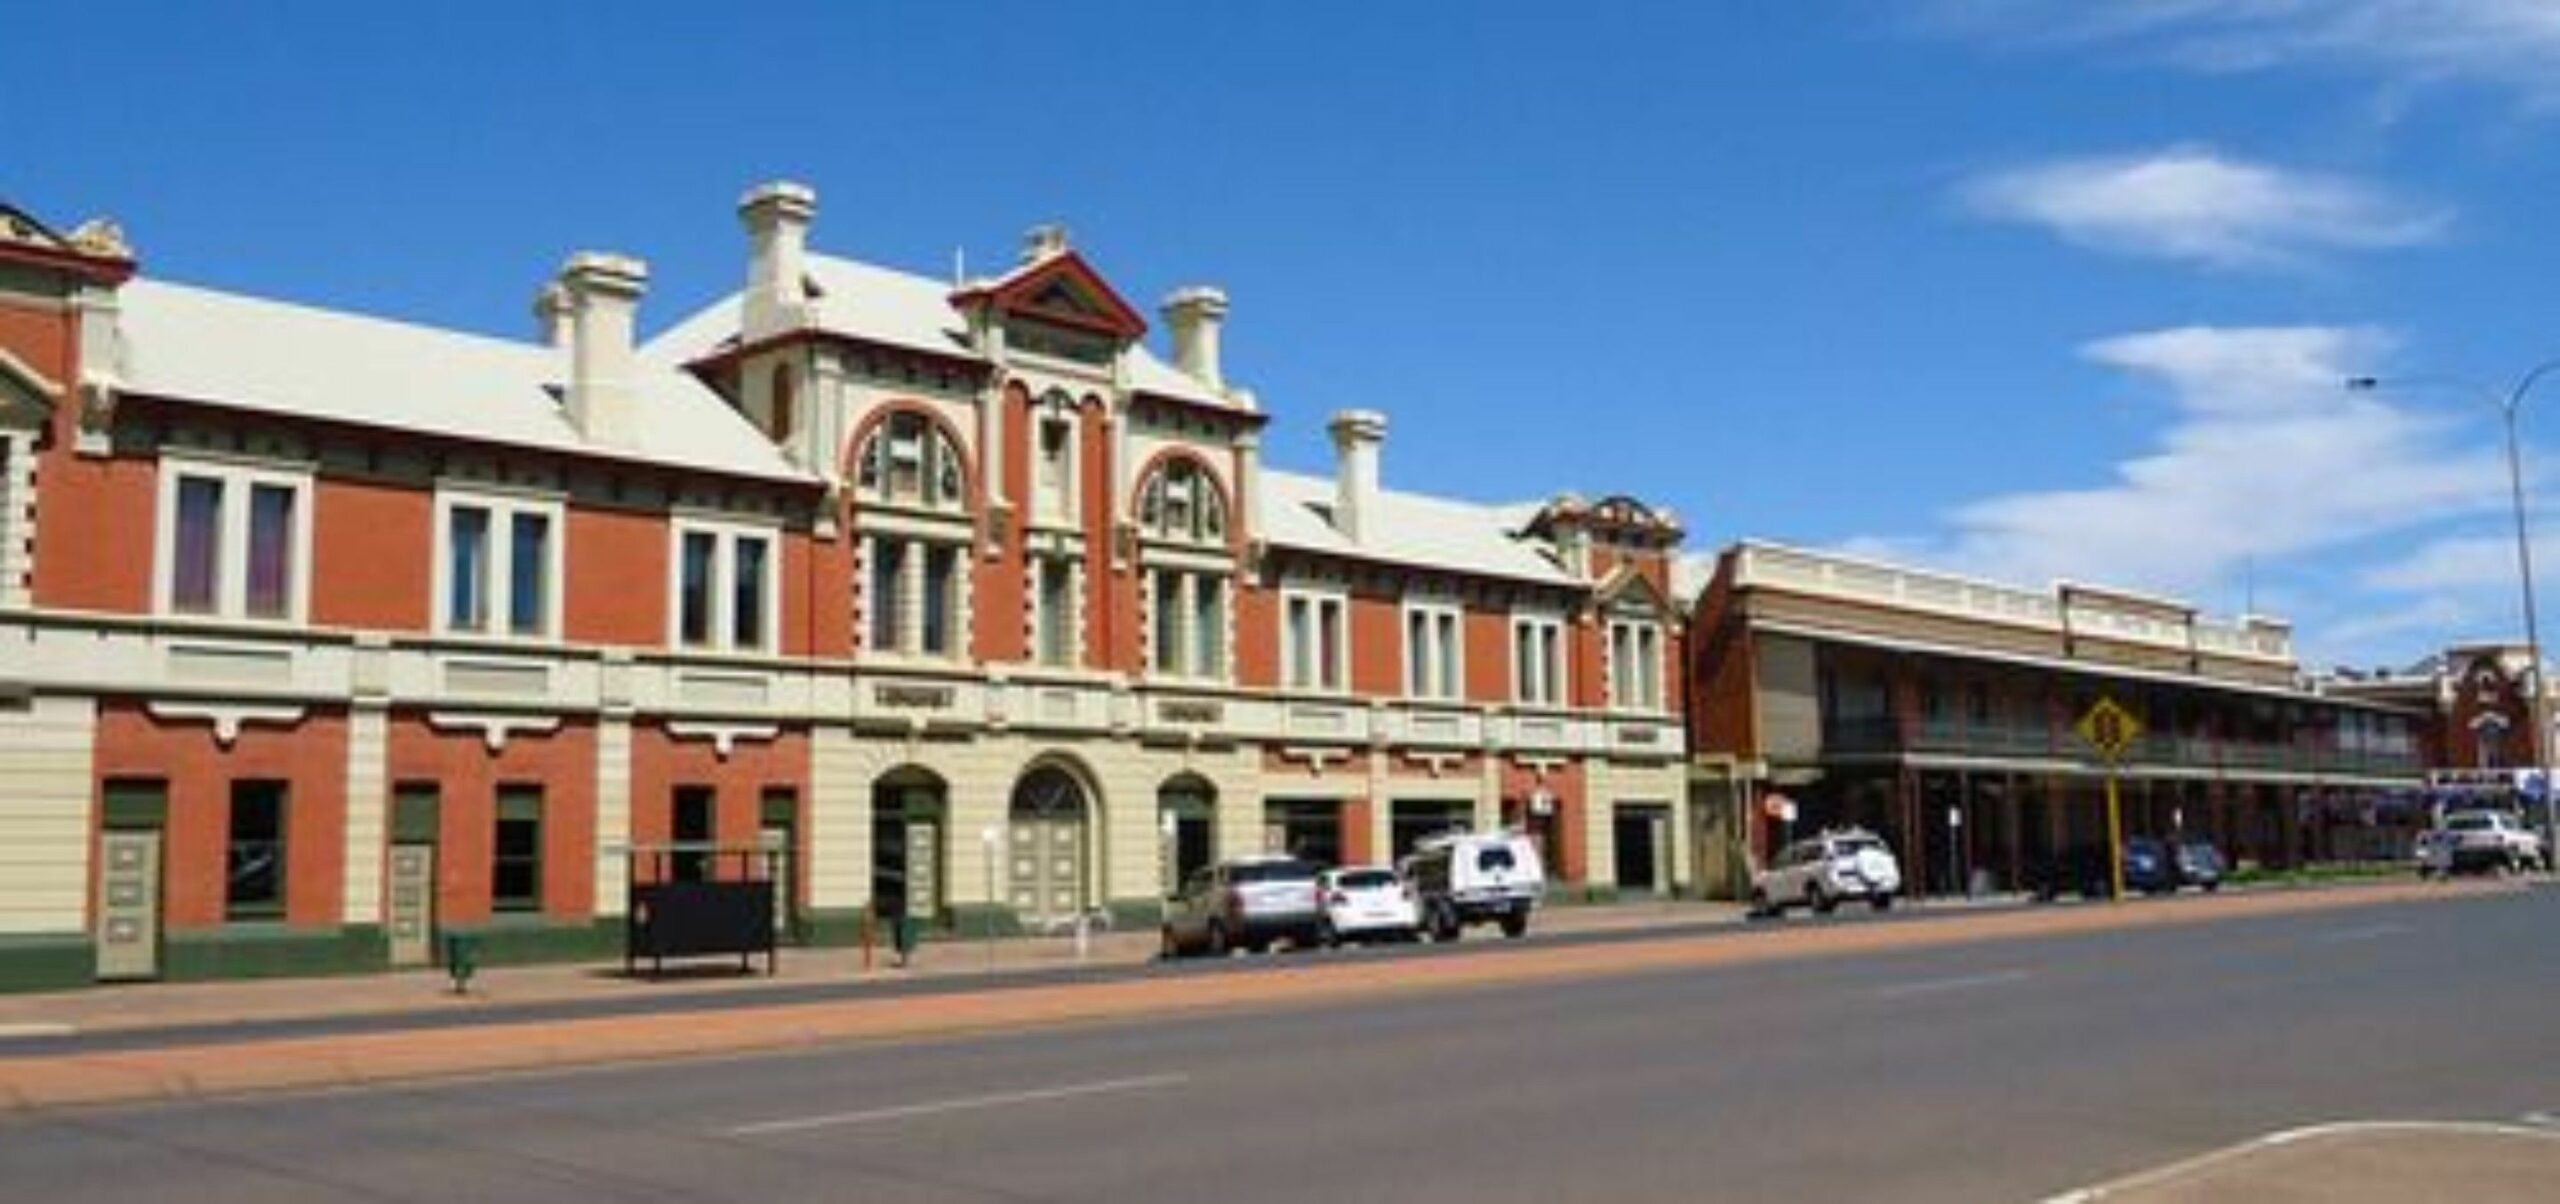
(1885, 735)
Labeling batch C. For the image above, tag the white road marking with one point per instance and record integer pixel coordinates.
(1936, 985)
(968, 1104)
(2370, 932)
(2188, 1166)
(36, 1029)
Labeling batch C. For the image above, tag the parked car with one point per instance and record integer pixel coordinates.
(1248, 903)
(1468, 878)
(2433, 851)
(1819, 873)
(2149, 866)
(2200, 865)
(2081, 870)
(2491, 840)
(1366, 903)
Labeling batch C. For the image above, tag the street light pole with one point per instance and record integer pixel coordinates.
(2510, 405)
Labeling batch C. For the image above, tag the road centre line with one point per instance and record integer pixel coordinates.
(39, 1028)
(1937, 985)
(964, 1104)
(2370, 932)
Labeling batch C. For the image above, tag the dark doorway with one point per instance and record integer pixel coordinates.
(689, 829)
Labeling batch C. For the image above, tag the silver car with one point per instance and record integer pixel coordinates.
(1819, 873)
(1248, 903)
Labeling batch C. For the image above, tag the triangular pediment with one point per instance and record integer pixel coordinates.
(1627, 589)
(1063, 290)
(27, 397)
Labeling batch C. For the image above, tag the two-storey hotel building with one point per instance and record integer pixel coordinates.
(322, 634)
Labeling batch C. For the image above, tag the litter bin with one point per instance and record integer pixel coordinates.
(461, 959)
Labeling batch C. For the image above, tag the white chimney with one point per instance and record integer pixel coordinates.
(776, 217)
(1044, 242)
(551, 316)
(1195, 314)
(1357, 436)
(604, 299)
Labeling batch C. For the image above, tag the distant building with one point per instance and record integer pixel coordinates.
(2477, 700)
(1941, 711)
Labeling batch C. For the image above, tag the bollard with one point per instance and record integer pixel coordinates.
(1084, 934)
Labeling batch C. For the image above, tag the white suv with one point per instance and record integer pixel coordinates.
(1818, 873)
(2489, 840)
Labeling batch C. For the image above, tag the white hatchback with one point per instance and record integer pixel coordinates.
(1366, 903)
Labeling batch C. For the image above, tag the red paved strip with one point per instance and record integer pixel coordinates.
(369, 1058)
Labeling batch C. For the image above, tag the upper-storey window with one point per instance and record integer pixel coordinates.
(725, 599)
(1181, 501)
(1053, 472)
(1433, 651)
(909, 461)
(497, 565)
(1635, 665)
(1313, 649)
(1537, 661)
(234, 542)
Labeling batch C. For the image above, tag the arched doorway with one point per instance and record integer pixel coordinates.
(908, 806)
(1046, 874)
(1186, 807)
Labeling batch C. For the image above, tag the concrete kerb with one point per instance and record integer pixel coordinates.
(354, 1060)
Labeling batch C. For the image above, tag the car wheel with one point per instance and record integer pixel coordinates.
(1444, 924)
(1515, 926)
(1761, 908)
(1881, 902)
(1172, 948)
(2211, 887)
(1327, 936)
(1218, 946)
(1818, 899)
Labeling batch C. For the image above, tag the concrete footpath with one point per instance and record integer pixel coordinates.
(41, 1080)
(429, 993)
(2383, 1162)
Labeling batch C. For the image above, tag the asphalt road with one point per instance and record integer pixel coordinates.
(1994, 1071)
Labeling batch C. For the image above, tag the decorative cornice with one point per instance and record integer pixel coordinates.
(494, 729)
(227, 718)
(724, 737)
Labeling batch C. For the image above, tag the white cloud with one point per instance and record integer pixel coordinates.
(2508, 44)
(2190, 203)
(2265, 456)
(2463, 562)
(2429, 616)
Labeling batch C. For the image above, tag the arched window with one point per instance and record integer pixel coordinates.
(908, 460)
(1180, 501)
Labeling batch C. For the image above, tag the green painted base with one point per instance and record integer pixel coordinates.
(833, 928)
(46, 962)
(272, 951)
(1136, 915)
(534, 940)
(966, 921)
(1573, 894)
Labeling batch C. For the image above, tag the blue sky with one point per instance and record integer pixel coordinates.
(2032, 288)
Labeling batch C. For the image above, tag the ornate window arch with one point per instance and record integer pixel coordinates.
(907, 458)
(1181, 501)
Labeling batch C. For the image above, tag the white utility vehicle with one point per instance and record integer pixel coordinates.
(1465, 878)
(1820, 872)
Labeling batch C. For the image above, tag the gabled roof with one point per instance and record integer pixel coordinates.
(247, 353)
(1408, 529)
(874, 304)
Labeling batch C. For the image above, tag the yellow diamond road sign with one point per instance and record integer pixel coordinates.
(2109, 728)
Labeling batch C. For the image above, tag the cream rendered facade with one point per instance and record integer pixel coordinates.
(725, 517)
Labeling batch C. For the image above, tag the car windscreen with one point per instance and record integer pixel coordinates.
(1272, 871)
(2470, 823)
(1855, 846)
(1495, 858)
(1365, 880)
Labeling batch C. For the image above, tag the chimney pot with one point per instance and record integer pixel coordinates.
(1357, 437)
(1195, 315)
(603, 301)
(776, 216)
(1044, 241)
